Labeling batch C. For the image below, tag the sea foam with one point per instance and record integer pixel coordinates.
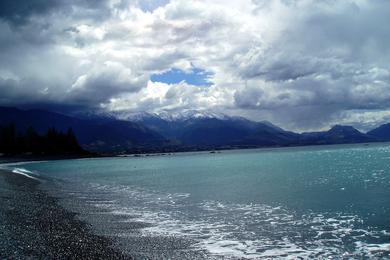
(233, 230)
(24, 172)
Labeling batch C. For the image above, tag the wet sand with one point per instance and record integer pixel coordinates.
(34, 226)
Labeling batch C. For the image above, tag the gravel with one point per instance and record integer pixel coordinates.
(33, 225)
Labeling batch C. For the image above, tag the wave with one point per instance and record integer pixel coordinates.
(24, 172)
(21, 171)
(233, 230)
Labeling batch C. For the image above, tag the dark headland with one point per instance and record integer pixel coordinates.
(46, 133)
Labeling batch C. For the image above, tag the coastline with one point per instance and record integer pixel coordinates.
(39, 225)
(119, 222)
(34, 225)
(212, 150)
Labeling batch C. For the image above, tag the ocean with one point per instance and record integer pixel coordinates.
(309, 202)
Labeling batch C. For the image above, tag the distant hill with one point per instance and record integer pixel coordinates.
(211, 131)
(382, 132)
(336, 135)
(95, 134)
(193, 130)
(208, 129)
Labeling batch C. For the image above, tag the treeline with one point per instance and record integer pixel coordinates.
(13, 142)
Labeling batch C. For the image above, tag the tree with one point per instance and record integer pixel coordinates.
(52, 143)
(8, 140)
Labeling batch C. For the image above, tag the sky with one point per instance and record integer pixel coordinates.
(301, 64)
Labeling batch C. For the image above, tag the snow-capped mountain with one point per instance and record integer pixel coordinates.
(175, 131)
(199, 127)
(190, 114)
(170, 116)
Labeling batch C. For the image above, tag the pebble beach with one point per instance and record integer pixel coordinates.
(34, 226)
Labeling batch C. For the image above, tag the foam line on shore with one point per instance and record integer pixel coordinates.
(28, 212)
(10, 166)
(24, 172)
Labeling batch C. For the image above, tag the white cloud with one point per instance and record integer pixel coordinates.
(303, 64)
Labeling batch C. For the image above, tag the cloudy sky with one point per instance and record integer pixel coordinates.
(302, 64)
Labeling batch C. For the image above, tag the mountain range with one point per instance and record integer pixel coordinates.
(98, 134)
(190, 130)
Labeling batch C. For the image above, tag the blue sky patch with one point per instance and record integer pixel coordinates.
(151, 5)
(197, 77)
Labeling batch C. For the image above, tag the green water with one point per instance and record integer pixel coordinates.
(309, 202)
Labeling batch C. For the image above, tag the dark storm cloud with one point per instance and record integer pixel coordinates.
(35, 67)
(299, 63)
(332, 58)
(18, 12)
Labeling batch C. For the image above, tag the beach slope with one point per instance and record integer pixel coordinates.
(34, 225)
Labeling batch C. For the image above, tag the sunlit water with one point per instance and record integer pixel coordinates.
(291, 202)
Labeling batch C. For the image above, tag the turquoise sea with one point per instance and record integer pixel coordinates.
(305, 202)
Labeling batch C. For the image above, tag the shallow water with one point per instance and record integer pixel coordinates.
(291, 202)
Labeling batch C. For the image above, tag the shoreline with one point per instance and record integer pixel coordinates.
(35, 225)
(39, 225)
(29, 158)
(120, 224)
